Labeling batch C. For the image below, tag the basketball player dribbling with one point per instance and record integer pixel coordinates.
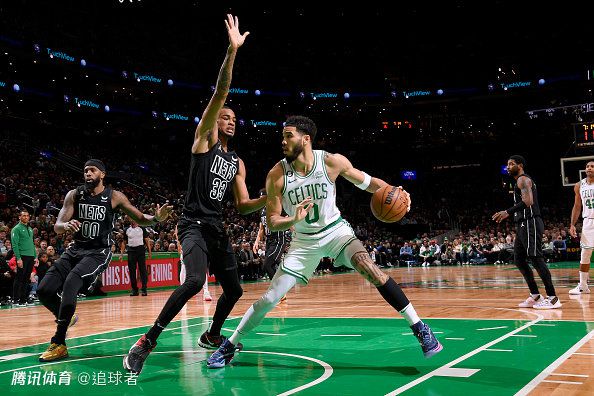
(303, 184)
(88, 211)
(528, 243)
(213, 169)
(584, 202)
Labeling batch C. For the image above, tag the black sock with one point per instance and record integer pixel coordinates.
(393, 294)
(154, 332)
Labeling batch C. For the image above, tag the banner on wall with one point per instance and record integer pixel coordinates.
(161, 272)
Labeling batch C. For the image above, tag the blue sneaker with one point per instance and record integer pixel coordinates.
(426, 338)
(222, 356)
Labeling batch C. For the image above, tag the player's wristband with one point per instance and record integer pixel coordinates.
(365, 183)
(519, 206)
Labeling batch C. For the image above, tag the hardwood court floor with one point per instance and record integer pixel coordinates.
(334, 336)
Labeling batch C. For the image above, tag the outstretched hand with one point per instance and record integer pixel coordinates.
(302, 209)
(236, 39)
(163, 212)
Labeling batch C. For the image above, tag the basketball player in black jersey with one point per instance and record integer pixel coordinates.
(88, 212)
(213, 169)
(529, 229)
(276, 243)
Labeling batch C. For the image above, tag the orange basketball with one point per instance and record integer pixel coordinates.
(389, 204)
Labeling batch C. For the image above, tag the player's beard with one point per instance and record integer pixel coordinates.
(513, 172)
(298, 149)
(91, 184)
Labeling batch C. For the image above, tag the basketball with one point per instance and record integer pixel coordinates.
(389, 204)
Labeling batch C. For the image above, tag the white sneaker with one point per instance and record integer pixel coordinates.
(529, 302)
(576, 291)
(206, 296)
(548, 303)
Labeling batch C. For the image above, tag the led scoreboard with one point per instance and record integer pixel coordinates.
(584, 134)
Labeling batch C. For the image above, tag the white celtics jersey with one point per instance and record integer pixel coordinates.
(587, 194)
(317, 185)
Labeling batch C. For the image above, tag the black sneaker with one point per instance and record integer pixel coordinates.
(134, 293)
(429, 343)
(135, 358)
(222, 356)
(144, 293)
(209, 341)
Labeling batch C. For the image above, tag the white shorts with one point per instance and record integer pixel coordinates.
(307, 250)
(587, 237)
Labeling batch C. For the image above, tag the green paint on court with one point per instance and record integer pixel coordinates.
(367, 356)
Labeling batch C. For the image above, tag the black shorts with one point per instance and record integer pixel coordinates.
(212, 241)
(89, 264)
(529, 238)
(275, 249)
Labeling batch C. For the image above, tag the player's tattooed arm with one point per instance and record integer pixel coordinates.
(120, 201)
(65, 222)
(366, 267)
(525, 186)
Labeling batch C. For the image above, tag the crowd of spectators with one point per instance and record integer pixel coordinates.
(445, 234)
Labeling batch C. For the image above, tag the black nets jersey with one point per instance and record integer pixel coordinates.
(531, 211)
(96, 217)
(211, 175)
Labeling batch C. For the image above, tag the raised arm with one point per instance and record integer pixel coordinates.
(576, 210)
(243, 203)
(274, 188)
(207, 133)
(120, 201)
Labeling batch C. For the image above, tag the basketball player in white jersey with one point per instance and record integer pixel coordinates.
(584, 202)
(303, 184)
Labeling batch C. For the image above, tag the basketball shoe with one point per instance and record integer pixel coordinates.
(551, 302)
(135, 358)
(530, 301)
(209, 341)
(54, 352)
(206, 296)
(429, 343)
(222, 356)
(576, 291)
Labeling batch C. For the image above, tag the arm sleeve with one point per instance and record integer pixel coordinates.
(14, 239)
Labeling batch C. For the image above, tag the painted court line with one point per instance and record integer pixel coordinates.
(456, 372)
(454, 362)
(562, 382)
(272, 334)
(328, 370)
(492, 328)
(545, 324)
(571, 375)
(340, 335)
(499, 350)
(456, 339)
(16, 356)
(523, 335)
(546, 372)
(583, 353)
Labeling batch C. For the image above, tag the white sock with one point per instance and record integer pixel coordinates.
(584, 279)
(205, 287)
(410, 314)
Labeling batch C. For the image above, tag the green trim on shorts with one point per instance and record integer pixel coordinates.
(293, 273)
(345, 245)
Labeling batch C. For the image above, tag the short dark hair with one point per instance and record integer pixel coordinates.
(518, 159)
(304, 125)
(24, 210)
